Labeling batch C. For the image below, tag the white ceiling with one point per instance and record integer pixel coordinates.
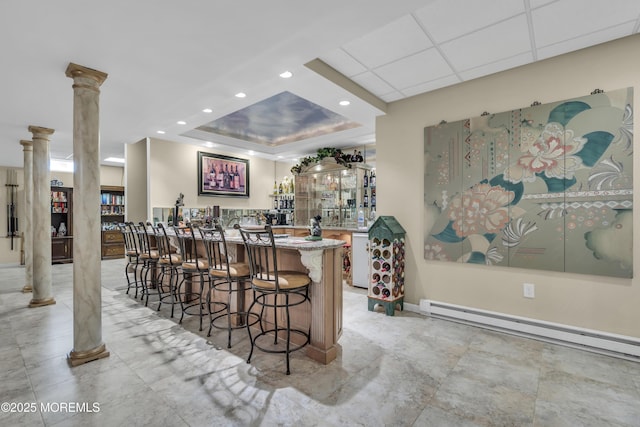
(168, 60)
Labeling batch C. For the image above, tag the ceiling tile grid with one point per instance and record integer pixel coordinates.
(449, 41)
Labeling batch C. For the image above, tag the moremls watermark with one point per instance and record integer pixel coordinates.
(50, 407)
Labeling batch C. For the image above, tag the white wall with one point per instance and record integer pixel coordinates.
(594, 302)
(173, 169)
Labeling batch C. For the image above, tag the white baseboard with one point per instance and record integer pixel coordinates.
(592, 340)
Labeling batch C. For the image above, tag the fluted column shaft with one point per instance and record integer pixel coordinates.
(87, 292)
(41, 242)
(27, 149)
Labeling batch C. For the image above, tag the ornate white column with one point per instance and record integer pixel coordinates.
(87, 297)
(41, 242)
(27, 149)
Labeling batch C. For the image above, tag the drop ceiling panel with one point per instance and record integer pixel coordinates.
(415, 69)
(568, 19)
(498, 42)
(341, 60)
(448, 19)
(587, 40)
(373, 83)
(495, 67)
(390, 97)
(432, 85)
(398, 39)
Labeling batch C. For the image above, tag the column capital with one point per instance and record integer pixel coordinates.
(75, 70)
(40, 131)
(27, 145)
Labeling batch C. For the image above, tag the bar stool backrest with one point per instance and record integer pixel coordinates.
(261, 251)
(144, 243)
(164, 243)
(216, 247)
(130, 239)
(189, 247)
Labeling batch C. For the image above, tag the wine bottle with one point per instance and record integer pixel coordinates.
(366, 180)
(225, 177)
(231, 180)
(275, 187)
(372, 180)
(366, 199)
(236, 179)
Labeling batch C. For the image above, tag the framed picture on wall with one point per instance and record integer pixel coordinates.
(222, 175)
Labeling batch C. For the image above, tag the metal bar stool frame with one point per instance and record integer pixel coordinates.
(169, 260)
(149, 257)
(224, 273)
(267, 281)
(193, 263)
(132, 253)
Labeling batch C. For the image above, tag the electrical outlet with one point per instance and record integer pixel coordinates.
(529, 290)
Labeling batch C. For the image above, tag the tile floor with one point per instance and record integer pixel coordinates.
(406, 370)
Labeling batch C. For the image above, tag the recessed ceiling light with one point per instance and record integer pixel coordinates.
(344, 103)
(207, 110)
(286, 74)
(209, 144)
(181, 122)
(241, 95)
(114, 159)
(279, 157)
(251, 152)
(161, 132)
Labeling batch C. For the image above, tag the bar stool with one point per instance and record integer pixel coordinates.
(229, 277)
(273, 289)
(132, 252)
(193, 264)
(169, 261)
(149, 257)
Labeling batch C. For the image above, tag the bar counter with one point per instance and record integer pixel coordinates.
(322, 261)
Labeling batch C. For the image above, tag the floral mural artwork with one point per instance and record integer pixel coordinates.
(546, 187)
(481, 208)
(551, 154)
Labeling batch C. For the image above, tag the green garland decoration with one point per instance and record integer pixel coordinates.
(336, 153)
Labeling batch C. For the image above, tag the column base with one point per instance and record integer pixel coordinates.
(324, 356)
(76, 358)
(26, 289)
(41, 302)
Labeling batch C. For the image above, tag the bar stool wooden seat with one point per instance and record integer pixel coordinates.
(230, 277)
(194, 264)
(169, 262)
(275, 289)
(132, 254)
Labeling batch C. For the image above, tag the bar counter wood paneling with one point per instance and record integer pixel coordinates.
(322, 260)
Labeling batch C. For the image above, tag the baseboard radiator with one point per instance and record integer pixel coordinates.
(591, 340)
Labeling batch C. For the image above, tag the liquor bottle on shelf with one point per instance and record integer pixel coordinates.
(360, 217)
(275, 203)
(275, 187)
(280, 190)
(366, 199)
(372, 179)
(366, 180)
